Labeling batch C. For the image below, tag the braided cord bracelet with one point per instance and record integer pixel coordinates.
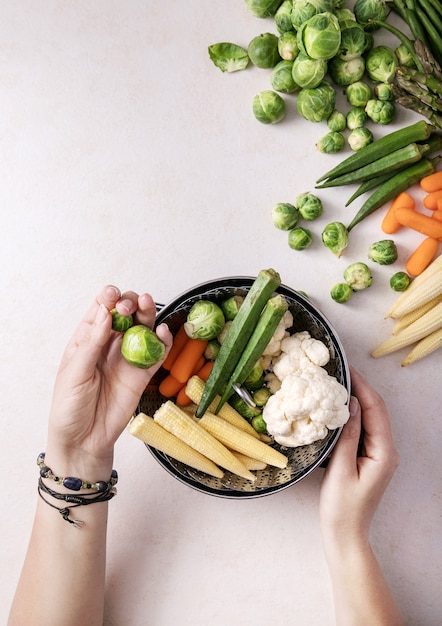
(75, 484)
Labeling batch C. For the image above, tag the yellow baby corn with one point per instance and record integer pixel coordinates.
(177, 422)
(194, 390)
(247, 461)
(240, 441)
(424, 287)
(412, 316)
(147, 430)
(426, 346)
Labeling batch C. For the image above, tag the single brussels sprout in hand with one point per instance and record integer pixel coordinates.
(383, 252)
(285, 215)
(343, 72)
(205, 320)
(359, 138)
(288, 46)
(368, 10)
(228, 56)
(300, 239)
(263, 50)
(337, 122)
(399, 281)
(281, 77)
(335, 238)
(358, 93)
(320, 36)
(231, 306)
(141, 347)
(331, 143)
(356, 117)
(283, 17)
(380, 64)
(358, 276)
(316, 105)
(309, 206)
(308, 72)
(268, 107)
(121, 322)
(380, 111)
(341, 292)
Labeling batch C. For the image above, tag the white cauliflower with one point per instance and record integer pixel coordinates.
(273, 348)
(298, 352)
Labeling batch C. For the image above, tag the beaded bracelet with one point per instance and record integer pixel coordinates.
(74, 500)
(75, 484)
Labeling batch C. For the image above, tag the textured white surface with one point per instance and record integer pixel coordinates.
(128, 158)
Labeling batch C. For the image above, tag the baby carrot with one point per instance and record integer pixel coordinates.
(169, 386)
(432, 182)
(420, 222)
(187, 359)
(204, 371)
(431, 200)
(390, 224)
(422, 256)
(182, 398)
(179, 340)
(437, 215)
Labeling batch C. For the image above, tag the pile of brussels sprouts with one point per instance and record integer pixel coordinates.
(321, 46)
(286, 216)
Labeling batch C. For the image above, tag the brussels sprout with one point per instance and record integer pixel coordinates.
(283, 16)
(380, 64)
(344, 72)
(288, 46)
(212, 349)
(384, 91)
(380, 111)
(285, 216)
(383, 252)
(341, 292)
(307, 72)
(141, 347)
(404, 56)
(228, 56)
(331, 143)
(255, 379)
(399, 281)
(259, 424)
(358, 93)
(358, 276)
(356, 117)
(303, 10)
(353, 41)
(300, 238)
(268, 107)
(367, 10)
(121, 322)
(359, 138)
(335, 237)
(244, 409)
(262, 8)
(337, 121)
(224, 332)
(320, 36)
(231, 306)
(281, 77)
(261, 395)
(205, 320)
(317, 104)
(263, 50)
(345, 16)
(309, 206)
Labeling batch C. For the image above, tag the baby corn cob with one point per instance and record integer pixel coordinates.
(415, 314)
(147, 430)
(240, 441)
(180, 424)
(426, 346)
(194, 390)
(247, 461)
(430, 289)
(428, 323)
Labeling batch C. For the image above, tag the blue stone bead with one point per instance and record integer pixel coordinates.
(74, 484)
(114, 476)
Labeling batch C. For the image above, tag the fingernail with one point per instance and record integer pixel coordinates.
(354, 406)
(102, 314)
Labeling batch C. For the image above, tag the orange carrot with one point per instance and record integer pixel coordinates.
(422, 256)
(390, 224)
(187, 359)
(179, 340)
(169, 386)
(204, 371)
(432, 182)
(420, 222)
(182, 398)
(437, 215)
(431, 199)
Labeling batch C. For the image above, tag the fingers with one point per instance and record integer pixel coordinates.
(344, 455)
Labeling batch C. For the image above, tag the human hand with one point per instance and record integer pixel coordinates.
(96, 391)
(353, 485)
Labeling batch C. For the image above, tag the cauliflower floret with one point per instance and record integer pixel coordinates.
(273, 348)
(299, 352)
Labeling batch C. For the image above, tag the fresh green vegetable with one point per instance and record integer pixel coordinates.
(205, 320)
(358, 276)
(141, 346)
(283, 17)
(343, 72)
(316, 105)
(260, 337)
(268, 107)
(231, 306)
(262, 8)
(300, 238)
(331, 143)
(399, 281)
(121, 322)
(259, 424)
(404, 56)
(212, 349)
(255, 378)
(369, 183)
(337, 122)
(240, 331)
(380, 64)
(308, 72)
(244, 409)
(354, 41)
(358, 93)
(356, 117)
(281, 77)
(380, 111)
(335, 238)
(263, 50)
(384, 91)
(288, 46)
(303, 10)
(261, 395)
(383, 252)
(360, 138)
(341, 292)
(229, 57)
(310, 207)
(320, 36)
(368, 10)
(285, 215)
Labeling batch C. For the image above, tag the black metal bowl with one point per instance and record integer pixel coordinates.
(302, 460)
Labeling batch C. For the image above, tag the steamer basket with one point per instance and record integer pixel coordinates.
(302, 460)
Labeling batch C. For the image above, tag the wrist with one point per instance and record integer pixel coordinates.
(72, 462)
